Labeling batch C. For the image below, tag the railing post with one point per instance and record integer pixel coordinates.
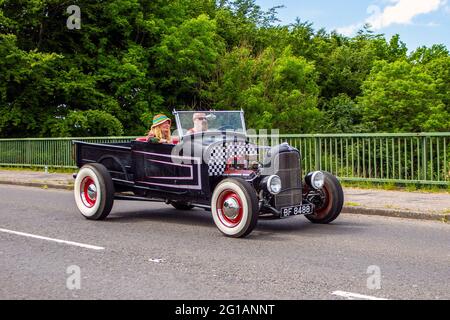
(28, 152)
(424, 158)
(317, 153)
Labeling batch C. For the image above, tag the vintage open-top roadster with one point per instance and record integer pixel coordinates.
(217, 169)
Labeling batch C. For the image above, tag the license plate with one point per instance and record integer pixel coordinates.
(303, 209)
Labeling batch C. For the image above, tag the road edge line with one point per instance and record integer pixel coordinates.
(351, 295)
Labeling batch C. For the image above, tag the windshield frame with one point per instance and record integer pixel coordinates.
(180, 129)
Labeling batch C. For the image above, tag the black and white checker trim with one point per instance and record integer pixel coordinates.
(220, 154)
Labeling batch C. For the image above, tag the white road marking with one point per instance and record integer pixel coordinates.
(351, 295)
(77, 244)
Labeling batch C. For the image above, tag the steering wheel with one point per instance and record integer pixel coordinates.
(225, 127)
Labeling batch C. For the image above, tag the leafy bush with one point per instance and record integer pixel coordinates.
(89, 123)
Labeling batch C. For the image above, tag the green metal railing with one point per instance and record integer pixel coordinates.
(401, 158)
(41, 152)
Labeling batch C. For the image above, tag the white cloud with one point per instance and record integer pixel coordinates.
(349, 30)
(401, 12)
(395, 12)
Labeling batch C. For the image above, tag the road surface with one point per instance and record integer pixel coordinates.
(151, 251)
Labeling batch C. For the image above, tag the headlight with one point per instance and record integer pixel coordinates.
(315, 179)
(274, 184)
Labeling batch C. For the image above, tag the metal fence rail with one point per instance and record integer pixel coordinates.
(401, 158)
(51, 152)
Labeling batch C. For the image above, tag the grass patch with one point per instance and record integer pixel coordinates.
(352, 204)
(434, 189)
(40, 169)
(390, 186)
(391, 206)
(411, 187)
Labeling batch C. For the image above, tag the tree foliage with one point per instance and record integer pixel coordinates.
(402, 97)
(134, 58)
(275, 91)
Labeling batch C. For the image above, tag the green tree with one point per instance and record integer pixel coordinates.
(186, 59)
(436, 62)
(439, 70)
(402, 97)
(342, 115)
(278, 92)
(88, 123)
(134, 58)
(345, 68)
(27, 83)
(424, 54)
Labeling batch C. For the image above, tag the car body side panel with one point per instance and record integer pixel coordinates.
(115, 157)
(156, 168)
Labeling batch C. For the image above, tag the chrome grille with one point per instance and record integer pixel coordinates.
(289, 170)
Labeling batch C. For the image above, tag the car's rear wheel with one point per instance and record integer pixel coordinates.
(94, 191)
(331, 205)
(234, 206)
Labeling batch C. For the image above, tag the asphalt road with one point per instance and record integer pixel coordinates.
(152, 251)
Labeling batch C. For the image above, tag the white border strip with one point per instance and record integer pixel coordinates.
(351, 295)
(76, 244)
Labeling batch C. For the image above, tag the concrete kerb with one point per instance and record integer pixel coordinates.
(41, 185)
(396, 213)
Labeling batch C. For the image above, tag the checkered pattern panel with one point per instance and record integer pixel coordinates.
(220, 154)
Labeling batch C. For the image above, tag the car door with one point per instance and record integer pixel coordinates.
(157, 167)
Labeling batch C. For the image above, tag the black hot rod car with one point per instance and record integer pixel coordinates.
(217, 169)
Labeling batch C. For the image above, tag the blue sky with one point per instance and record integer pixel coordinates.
(419, 22)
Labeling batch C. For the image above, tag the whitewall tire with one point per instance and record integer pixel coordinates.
(94, 191)
(234, 206)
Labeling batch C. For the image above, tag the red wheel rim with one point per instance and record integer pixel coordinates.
(229, 208)
(326, 207)
(88, 192)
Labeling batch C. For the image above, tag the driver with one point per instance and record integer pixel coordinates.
(200, 123)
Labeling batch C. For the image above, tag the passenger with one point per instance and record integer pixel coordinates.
(159, 131)
(200, 123)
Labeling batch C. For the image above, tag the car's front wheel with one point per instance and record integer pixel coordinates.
(94, 191)
(234, 207)
(330, 206)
